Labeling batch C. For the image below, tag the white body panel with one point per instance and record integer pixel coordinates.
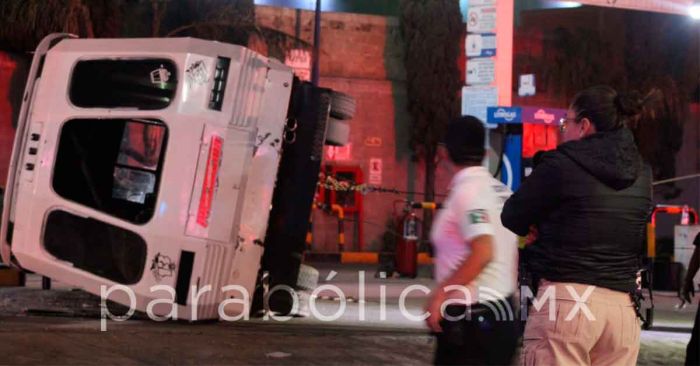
(683, 245)
(228, 248)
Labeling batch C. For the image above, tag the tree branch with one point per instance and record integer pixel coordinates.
(87, 21)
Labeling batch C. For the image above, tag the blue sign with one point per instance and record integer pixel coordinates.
(480, 45)
(488, 52)
(501, 115)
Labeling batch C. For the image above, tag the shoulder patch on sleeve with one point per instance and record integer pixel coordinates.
(479, 216)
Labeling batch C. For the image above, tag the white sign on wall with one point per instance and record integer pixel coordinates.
(526, 88)
(481, 19)
(480, 45)
(300, 61)
(481, 2)
(375, 171)
(475, 100)
(481, 71)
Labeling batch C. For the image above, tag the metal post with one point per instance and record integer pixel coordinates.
(310, 233)
(338, 209)
(317, 45)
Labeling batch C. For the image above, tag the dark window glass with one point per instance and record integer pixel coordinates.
(142, 84)
(111, 165)
(96, 247)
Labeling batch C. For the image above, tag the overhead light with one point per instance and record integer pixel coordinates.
(565, 4)
(694, 10)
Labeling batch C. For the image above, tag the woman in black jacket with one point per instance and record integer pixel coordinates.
(588, 200)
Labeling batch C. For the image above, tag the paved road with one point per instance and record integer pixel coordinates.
(71, 341)
(61, 327)
(33, 340)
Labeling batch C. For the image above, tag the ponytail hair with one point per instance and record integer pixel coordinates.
(609, 110)
(633, 105)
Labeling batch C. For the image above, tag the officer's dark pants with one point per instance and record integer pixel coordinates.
(488, 335)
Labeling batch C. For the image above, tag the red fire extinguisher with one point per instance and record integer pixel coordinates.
(407, 246)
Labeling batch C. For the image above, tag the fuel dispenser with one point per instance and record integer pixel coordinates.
(526, 130)
(668, 270)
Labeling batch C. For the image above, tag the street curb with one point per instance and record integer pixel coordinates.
(358, 257)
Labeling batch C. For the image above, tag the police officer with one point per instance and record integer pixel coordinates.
(475, 259)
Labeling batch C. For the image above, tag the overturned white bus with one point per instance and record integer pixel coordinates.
(175, 162)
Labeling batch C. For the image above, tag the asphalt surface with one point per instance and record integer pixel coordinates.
(62, 326)
(41, 340)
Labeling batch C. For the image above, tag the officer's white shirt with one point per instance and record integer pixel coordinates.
(473, 208)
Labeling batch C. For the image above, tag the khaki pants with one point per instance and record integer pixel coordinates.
(562, 334)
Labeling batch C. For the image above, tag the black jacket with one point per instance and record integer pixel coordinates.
(590, 200)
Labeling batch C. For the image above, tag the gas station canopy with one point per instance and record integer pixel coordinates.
(372, 7)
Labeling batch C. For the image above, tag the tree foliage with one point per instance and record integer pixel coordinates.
(432, 32)
(23, 23)
(576, 58)
(231, 21)
(659, 130)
